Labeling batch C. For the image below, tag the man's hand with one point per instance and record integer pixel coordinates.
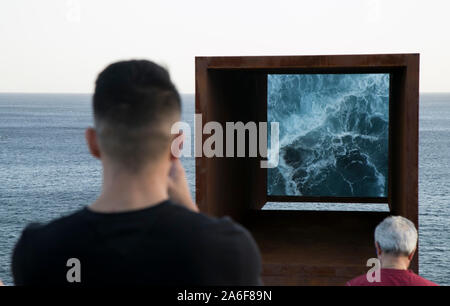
(178, 186)
(1, 284)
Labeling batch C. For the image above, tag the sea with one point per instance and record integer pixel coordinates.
(334, 134)
(46, 171)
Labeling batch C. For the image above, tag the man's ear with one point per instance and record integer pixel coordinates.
(176, 145)
(410, 256)
(92, 142)
(377, 246)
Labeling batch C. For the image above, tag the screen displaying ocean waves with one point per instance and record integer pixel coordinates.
(333, 134)
(46, 170)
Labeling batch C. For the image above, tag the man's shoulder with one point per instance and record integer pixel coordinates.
(173, 220)
(418, 280)
(173, 214)
(205, 224)
(55, 232)
(208, 231)
(39, 241)
(55, 226)
(359, 281)
(391, 277)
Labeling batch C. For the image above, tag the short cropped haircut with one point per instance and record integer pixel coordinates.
(135, 103)
(396, 235)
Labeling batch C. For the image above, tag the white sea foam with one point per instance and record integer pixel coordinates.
(315, 109)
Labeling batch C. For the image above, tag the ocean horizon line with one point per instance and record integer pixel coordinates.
(182, 93)
(61, 93)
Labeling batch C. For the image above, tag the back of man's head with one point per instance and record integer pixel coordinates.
(135, 104)
(396, 235)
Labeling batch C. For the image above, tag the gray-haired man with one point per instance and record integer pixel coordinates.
(395, 241)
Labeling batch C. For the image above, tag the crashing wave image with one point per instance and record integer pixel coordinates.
(333, 134)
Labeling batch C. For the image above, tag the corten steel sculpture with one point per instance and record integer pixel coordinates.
(304, 247)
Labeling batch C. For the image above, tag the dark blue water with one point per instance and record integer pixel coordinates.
(46, 170)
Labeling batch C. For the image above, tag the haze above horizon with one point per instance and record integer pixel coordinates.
(56, 46)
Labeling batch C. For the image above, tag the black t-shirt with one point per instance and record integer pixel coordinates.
(164, 244)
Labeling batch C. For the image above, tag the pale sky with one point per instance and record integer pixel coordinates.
(61, 45)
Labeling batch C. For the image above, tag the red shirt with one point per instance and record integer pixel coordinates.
(393, 277)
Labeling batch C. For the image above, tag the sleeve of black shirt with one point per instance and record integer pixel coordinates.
(250, 260)
(21, 265)
(245, 256)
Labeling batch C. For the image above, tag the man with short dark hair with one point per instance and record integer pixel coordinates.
(144, 229)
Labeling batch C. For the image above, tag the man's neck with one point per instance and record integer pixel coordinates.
(394, 262)
(123, 191)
